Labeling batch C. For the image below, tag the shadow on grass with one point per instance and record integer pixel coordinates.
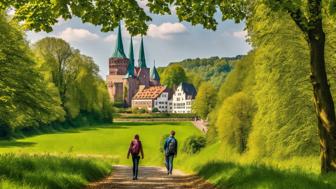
(230, 175)
(13, 143)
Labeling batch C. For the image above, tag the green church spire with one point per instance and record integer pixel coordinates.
(154, 74)
(119, 49)
(130, 69)
(142, 59)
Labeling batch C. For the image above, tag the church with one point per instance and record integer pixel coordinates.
(125, 79)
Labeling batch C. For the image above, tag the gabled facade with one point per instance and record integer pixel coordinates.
(182, 99)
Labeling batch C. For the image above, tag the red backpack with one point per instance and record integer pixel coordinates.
(135, 149)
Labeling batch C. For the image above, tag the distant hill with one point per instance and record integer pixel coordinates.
(213, 69)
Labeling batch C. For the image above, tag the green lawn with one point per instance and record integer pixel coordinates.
(110, 140)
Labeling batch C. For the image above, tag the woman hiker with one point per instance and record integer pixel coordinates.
(134, 149)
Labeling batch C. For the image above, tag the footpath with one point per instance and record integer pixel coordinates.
(150, 178)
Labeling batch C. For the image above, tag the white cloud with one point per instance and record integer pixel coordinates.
(111, 38)
(76, 35)
(240, 34)
(166, 30)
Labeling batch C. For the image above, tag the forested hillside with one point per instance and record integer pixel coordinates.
(212, 69)
(49, 83)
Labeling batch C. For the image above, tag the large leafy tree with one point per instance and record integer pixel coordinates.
(173, 75)
(26, 99)
(307, 14)
(76, 76)
(205, 100)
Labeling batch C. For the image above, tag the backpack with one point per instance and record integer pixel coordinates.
(171, 147)
(135, 149)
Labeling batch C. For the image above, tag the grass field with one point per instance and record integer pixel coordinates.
(224, 168)
(109, 140)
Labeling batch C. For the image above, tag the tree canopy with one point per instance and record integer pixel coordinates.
(173, 76)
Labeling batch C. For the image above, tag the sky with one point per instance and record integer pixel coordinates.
(167, 40)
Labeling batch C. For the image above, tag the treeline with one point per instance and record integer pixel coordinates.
(265, 106)
(49, 83)
(198, 70)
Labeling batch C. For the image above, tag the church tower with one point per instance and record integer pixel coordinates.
(154, 76)
(118, 65)
(143, 74)
(131, 85)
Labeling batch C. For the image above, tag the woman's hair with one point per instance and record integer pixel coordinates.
(136, 136)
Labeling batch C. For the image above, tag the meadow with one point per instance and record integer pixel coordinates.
(73, 158)
(110, 141)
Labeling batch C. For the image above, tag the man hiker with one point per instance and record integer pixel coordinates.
(170, 149)
(134, 149)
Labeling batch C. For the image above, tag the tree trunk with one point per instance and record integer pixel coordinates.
(323, 100)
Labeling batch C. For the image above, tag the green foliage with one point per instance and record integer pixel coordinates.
(285, 123)
(26, 99)
(155, 110)
(212, 69)
(76, 76)
(41, 15)
(205, 100)
(240, 79)
(25, 171)
(194, 144)
(173, 76)
(234, 121)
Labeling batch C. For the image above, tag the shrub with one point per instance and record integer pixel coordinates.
(142, 111)
(155, 110)
(194, 144)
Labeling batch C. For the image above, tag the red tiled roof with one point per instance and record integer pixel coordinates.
(149, 93)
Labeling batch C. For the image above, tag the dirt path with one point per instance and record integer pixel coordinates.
(150, 178)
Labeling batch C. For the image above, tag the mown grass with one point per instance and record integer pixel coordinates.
(46, 171)
(110, 140)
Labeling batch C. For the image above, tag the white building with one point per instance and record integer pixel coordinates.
(161, 98)
(162, 101)
(182, 99)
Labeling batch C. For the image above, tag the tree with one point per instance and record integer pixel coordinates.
(57, 55)
(205, 100)
(235, 121)
(307, 14)
(26, 99)
(76, 76)
(308, 17)
(173, 76)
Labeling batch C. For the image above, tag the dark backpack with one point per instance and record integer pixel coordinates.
(171, 147)
(135, 149)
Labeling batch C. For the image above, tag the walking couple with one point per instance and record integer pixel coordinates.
(170, 151)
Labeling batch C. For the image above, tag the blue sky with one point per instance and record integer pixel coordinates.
(167, 40)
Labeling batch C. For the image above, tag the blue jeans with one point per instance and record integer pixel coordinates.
(135, 159)
(169, 163)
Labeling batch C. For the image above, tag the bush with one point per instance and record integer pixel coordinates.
(142, 111)
(194, 144)
(155, 110)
